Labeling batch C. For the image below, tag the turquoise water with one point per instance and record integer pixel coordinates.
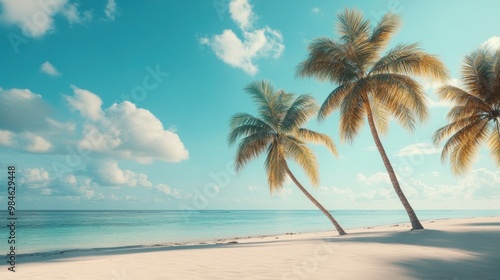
(48, 231)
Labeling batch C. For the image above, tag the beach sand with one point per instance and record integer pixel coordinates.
(454, 249)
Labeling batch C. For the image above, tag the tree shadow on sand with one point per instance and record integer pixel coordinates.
(481, 243)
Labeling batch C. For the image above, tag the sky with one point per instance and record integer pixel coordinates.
(112, 104)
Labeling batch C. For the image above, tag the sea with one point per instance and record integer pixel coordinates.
(55, 231)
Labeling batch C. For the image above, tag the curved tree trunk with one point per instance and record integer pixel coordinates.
(340, 230)
(415, 223)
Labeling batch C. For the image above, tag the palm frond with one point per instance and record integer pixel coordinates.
(462, 98)
(352, 110)
(303, 156)
(384, 30)
(264, 96)
(251, 147)
(381, 115)
(460, 137)
(453, 127)
(476, 73)
(496, 76)
(243, 124)
(459, 112)
(395, 91)
(327, 60)
(461, 158)
(494, 143)
(409, 59)
(352, 26)
(275, 165)
(244, 131)
(308, 135)
(299, 113)
(334, 100)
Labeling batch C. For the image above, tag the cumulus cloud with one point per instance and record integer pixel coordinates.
(6, 138)
(418, 149)
(119, 131)
(49, 69)
(33, 107)
(125, 131)
(255, 43)
(108, 173)
(85, 102)
(242, 14)
(25, 141)
(36, 18)
(39, 181)
(110, 10)
(492, 43)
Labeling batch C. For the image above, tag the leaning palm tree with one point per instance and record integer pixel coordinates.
(278, 131)
(475, 115)
(372, 84)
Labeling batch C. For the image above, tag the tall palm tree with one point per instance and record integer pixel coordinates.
(371, 83)
(475, 115)
(278, 131)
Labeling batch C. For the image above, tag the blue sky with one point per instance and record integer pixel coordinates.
(121, 105)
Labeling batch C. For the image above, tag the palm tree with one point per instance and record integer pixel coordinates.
(371, 83)
(475, 115)
(278, 131)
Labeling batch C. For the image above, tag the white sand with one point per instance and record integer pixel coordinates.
(454, 249)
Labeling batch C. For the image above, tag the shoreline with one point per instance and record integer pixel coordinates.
(98, 251)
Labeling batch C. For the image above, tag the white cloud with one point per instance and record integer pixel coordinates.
(316, 10)
(108, 173)
(110, 10)
(35, 143)
(87, 103)
(375, 179)
(25, 141)
(378, 194)
(34, 110)
(479, 184)
(125, 131)
(38, 181)
(168, 190)
(73, 15)
(284, 193)
(34, 178)
(418, 149)
(492, 43)
(6, 138)
(36, 18)
(49, 69)
(242, 14)
(256, 43)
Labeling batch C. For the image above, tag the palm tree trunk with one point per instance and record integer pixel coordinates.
(415, 223)
(340, 230)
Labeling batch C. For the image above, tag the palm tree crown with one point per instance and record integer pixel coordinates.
(372, 84)
(475, 115)
(365, 76)
(278, 131)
